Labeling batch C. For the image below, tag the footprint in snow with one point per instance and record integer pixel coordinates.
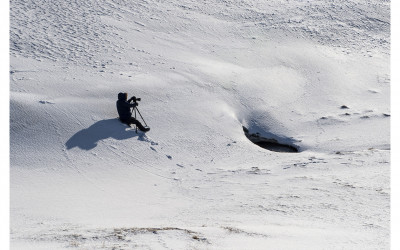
(144, 137)
(45, 102)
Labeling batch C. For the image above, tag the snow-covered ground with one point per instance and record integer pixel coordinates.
(312, 74)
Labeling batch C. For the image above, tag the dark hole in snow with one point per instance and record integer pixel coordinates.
(268, 143)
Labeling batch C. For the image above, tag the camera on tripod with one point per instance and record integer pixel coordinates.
(134, 99)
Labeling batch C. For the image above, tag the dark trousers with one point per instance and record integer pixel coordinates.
(133, 121)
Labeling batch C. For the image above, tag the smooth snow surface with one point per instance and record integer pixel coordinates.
(312, 74)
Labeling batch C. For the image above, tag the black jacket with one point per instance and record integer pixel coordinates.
(124, 108)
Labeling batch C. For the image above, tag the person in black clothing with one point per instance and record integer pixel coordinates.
(124, 110)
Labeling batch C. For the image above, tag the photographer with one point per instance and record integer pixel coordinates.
(124, 110)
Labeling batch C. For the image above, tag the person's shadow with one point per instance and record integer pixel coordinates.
(88, 138)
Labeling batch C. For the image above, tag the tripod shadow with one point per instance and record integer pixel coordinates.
(88, 138)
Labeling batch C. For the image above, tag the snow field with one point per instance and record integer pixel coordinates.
(301, 73)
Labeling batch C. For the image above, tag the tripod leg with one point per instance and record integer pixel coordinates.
(140, 116)
(135, 119)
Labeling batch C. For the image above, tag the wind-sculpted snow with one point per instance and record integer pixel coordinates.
(83, 31)
(312, 75)
(58, 30)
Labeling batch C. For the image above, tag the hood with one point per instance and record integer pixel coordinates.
(122, 96)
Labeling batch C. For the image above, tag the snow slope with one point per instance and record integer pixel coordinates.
(310, 74)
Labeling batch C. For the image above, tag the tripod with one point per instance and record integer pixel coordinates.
(136, 109)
